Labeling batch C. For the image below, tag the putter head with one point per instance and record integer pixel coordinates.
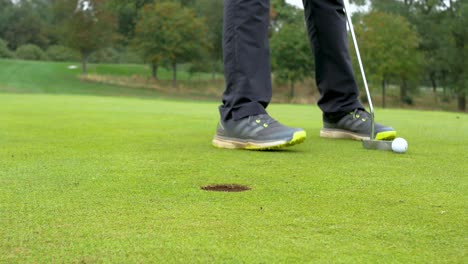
(377, 144)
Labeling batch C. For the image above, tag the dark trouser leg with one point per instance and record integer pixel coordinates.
(246, 58)
(326, 26)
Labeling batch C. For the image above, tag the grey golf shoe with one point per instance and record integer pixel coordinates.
(259, 132)
(357, 125)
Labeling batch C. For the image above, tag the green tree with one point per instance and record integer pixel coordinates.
(433, 36)
(389, 47)
(395, 7)
(6, 11)
(22, 24)
(30, 52)
(442, 25)
(212, 11)
(91, 26)
(456, 48)
(282, 13)
(187, 2)
(291, 55)
(425, 16)
(62, 53)
(5, 52)
(127, 12)
(170, 33)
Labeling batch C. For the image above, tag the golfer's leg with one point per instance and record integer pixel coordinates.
(246, 58)
(326, 26)
(244, 122)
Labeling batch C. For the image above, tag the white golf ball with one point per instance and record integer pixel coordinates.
(399, 145)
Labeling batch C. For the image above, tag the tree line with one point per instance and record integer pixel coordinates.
(416, 43)
(409, 43)
(160, 33)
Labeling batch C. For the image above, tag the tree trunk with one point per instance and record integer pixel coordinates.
(403, 90)
(444, 82)
(433, 82)
(434, 85)
(213, 73)
(462, 101)
(154, 70)
(174, 74)
(291, 91)
(84, 63)
(384, 84)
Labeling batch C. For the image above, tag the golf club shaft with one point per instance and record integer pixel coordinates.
(358, 54)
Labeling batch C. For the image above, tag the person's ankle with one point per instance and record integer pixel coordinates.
(333, 117)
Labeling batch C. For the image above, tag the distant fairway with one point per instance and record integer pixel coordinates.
(86, 179)
(56, 78)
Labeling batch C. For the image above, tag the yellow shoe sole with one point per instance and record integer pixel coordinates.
(387, 135)
(230, 143)
(344, 134)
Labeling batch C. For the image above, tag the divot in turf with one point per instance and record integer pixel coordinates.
(226, 188)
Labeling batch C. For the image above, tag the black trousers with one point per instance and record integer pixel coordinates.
(247, 58)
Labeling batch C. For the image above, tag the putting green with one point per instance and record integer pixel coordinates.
(102, 179)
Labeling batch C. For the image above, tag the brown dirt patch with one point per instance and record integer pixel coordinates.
(226, 188)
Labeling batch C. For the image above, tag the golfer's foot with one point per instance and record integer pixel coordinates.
(259, 132)
(356, 125)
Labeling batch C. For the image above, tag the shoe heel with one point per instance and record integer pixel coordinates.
(328, 133)
(219, 143)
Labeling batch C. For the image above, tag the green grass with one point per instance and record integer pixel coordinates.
(55, 78)
(144, 70)
(87, 179)
(18, 76)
